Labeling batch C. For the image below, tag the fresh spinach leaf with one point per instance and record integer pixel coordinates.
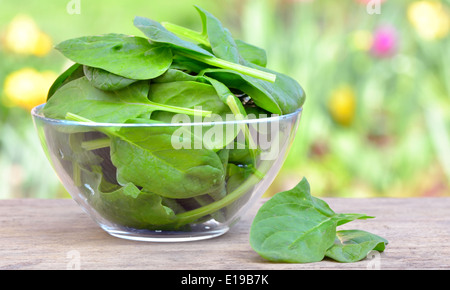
(104, 80)
(174, 75)
(251, 53)
(295, 227)
(159, 34)
(131, 207)
(128, 56)
(81, 98)
(186, 94)
(191, 94)
(75, 71)
(284, 96)
(146, 157)
(220, 39)
(355, 245)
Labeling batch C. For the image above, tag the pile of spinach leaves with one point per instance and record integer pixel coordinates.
(132, 175)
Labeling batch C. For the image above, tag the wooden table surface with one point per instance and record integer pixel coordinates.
(57, 234)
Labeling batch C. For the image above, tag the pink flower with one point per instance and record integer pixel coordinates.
(385, 41)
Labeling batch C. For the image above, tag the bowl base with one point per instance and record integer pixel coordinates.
(164, 236)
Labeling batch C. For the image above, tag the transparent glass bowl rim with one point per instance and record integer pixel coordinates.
(36, 113)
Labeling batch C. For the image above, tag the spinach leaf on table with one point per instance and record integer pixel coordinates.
(355, 245)
(295, 227)
(128, 56)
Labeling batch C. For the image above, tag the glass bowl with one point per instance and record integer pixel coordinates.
(167, 181)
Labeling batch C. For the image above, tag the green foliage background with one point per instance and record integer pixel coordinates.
(396, 144)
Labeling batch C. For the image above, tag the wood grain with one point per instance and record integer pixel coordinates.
(57, 234)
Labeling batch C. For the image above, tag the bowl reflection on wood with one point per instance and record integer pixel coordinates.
(166, 182)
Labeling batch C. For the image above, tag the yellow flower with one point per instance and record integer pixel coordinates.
(342, 105)
(430, 19)
(361, 40)
(43, 45)
(23, 36)
(27, 87)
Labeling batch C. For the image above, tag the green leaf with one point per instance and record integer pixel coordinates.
(104, 80)
(128, 56)
(355, 245)
(147, 158)
(186, 94)
(174, 75)
(284, 96)
(291, 227)
(157, 33)
(252, 53)
(220, 39)
(190, 94)
(131, 207)
(81, 98)
(75, 71)
(295, 227)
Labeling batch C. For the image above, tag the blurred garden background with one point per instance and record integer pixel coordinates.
(376, 121)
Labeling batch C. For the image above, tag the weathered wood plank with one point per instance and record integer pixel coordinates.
(57, 234)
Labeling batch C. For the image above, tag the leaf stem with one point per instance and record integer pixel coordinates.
(180, 110)
(187, 33)
(214, 61)
(96, 144)
(192, 215)
(218, 62)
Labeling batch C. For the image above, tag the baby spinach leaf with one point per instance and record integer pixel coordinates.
(104, 80)
(355, 245)
(128, 56)
(191, 94)
(131, 207)
(75, 71)
(174, 75)
(147, 158)
(188, 65)
(81, 98)
(220, 39)
(227, 97)
(295, 227)
(283, 96)
(251, 53)
(186, 94)
(157, 33)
